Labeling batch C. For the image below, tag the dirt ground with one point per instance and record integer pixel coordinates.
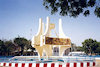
(97, 63)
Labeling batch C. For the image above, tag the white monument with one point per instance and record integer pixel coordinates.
(44, 43)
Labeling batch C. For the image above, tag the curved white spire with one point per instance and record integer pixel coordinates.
(46, 33)
(61, 33)
(36, 38)
(40, 29)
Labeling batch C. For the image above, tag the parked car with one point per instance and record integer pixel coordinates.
(77, 54)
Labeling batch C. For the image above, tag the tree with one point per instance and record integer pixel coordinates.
(29, 46)
(1, 44)
(72, 8)
(10, 47)
(79, 48)
(98, 49)
(22, 42)
(90, 46)
(32, 48)
(2, 47)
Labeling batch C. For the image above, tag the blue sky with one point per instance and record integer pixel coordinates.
(18, 17)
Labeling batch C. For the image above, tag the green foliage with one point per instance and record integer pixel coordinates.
(79, 48)
(10, 47)
(97, 11)
(72, 8)
(1, 44)
(91, 46)
(98, 49)
(2, 47)
(15, 47)
(22, 42)
(6, 47)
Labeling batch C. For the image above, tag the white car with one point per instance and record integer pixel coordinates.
(77, 54)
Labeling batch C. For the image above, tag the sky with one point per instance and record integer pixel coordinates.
(21, 18)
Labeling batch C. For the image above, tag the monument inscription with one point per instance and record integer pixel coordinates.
(57, 41)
